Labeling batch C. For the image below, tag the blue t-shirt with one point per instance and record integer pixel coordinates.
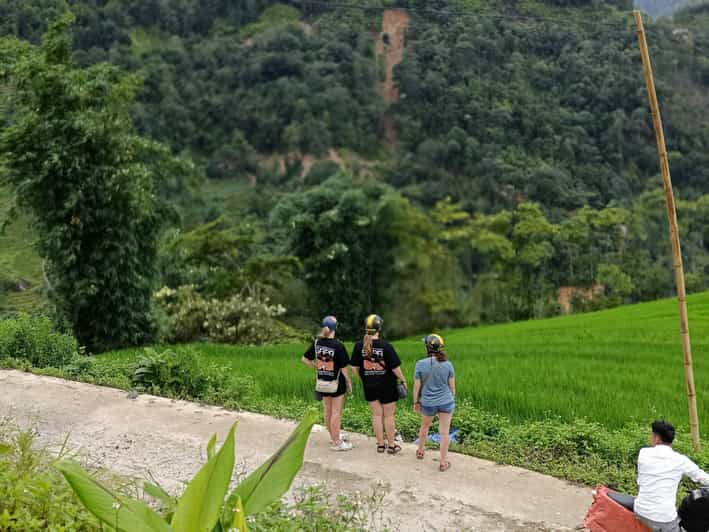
(434, 377)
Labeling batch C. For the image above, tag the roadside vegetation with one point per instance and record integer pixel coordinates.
(46, 489)
(569, 396)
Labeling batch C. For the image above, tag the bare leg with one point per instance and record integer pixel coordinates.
(423, 431)
(377, 421)
(390, 422)
(336, 418)
(444, 429)
(327, 414)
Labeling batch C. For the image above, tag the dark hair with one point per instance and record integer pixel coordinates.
(440, 355)
(664, 430)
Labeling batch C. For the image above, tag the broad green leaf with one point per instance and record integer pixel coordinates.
(5, 448)
(125, 515)
(272, 480)
(200, 505)
(210, 446)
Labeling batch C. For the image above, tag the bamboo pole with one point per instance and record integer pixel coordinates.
(674, 230)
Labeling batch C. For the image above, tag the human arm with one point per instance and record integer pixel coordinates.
(451, 379)
(393, 361)
(694, 472)
(417, 393)
(309, 356)
(343, 362)
(400, 375)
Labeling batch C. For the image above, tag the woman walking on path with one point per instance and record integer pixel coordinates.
(329, 357)
(378, 365)
(434, 394)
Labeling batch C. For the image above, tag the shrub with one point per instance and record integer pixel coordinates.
(183, 375)
(34, 339)
(33, 495)
(236, 320)
(169, 373)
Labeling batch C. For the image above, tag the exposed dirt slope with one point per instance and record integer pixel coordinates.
(389, 47)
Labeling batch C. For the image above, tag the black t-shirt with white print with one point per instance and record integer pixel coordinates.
(376, 370)
(331, 356)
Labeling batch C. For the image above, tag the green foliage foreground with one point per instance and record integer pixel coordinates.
(35, 497)
(569, 396)
(205, 504)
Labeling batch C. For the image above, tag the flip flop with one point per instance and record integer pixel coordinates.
(419, 454)
(444, 466)
(394, 450)
(381, 448)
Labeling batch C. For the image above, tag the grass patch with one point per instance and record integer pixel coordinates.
(614, 367)
(18, 262)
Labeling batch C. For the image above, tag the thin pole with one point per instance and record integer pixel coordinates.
(674, 230)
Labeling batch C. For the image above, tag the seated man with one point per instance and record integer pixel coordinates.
(660, 470)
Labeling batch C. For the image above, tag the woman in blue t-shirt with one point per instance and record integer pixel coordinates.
(434, 394)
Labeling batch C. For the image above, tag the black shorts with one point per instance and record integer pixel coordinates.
(341, 388)
(383, 395)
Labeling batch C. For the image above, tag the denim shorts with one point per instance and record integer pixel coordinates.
(446, 408)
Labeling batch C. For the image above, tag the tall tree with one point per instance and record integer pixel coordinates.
(73, 161)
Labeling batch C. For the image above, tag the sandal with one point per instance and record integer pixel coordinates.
(381, 447)
(444, 466)
(420, 454)
(396, 449)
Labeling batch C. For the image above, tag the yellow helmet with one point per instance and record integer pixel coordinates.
(434, 343)
(373, 324)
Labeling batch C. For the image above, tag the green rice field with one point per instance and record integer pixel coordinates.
(18, 262)
(617, 367)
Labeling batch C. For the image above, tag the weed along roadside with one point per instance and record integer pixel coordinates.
(163, 439)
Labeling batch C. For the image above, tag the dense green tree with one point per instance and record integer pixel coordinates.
(346, 253)
(74, 163)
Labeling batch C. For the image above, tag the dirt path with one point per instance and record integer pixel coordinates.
(166, 438)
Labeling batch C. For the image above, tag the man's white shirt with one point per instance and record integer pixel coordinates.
(660, 470)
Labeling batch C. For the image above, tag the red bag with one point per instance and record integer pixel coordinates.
(606, 515)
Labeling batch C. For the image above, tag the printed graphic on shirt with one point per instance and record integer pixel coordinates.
(374, 364)
(326, 361)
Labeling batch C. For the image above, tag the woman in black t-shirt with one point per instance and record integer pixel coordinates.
(378, 365)
(329, 357)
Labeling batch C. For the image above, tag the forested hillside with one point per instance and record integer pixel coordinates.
(515, 157)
